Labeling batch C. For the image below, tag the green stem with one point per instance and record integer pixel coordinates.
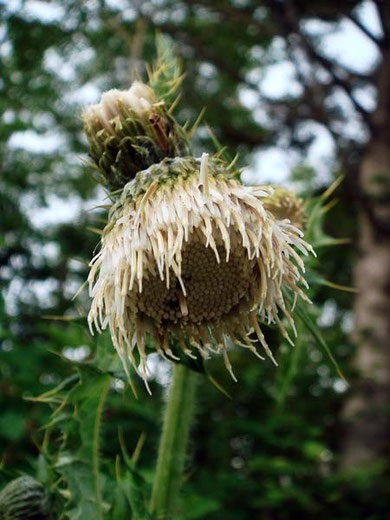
(173, 443)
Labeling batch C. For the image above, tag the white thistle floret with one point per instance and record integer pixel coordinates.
(139, 99)
(198, 260)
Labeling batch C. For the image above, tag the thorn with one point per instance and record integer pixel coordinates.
(80, 290)
(174, 104)
(233, 162)
(95, 230)
(190, 133)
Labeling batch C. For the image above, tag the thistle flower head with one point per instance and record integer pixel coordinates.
(128, 131)
(139, 99)
(192, 256)
(284, 204)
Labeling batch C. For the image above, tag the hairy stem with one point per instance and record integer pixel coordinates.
(173, 443)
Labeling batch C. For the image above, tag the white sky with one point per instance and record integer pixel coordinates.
(352, 48)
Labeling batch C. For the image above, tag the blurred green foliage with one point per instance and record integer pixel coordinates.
(271, 450)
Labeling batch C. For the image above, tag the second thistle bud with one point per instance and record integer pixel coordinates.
(23, 499)
(284, 204)
(128, 131)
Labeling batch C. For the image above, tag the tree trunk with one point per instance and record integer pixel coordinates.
(367, 409)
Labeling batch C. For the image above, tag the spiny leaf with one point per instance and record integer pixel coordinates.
(316, 279)
(80, 467)
(138, 448)
(329, 241)
(286, 377)
(47, 396)
(133, 484)
(313, 329)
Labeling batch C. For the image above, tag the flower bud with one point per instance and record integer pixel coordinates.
(284, 204)
(23, 499)
(128, 131)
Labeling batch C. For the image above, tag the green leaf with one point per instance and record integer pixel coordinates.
(313, 329)
(134, 486)
(316, 279)
(79, 461)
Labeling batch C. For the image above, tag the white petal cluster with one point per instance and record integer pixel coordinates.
(198, 260)
(139, 99)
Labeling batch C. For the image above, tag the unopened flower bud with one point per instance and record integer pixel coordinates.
(128, 131)
(23, 499)
(284, 204)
